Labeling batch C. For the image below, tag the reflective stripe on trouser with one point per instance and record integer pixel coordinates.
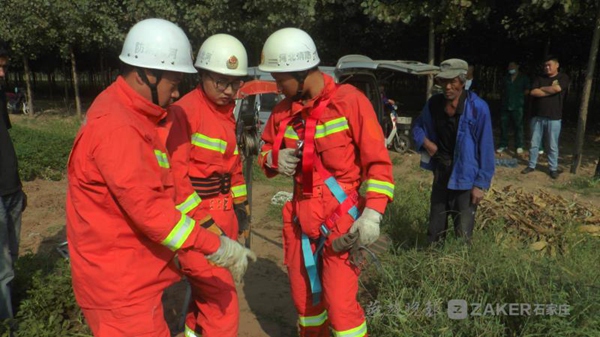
(214, 309)
(339, 307)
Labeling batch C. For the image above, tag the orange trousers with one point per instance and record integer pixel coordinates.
(338, 308)
(144, 319)
(214, 309)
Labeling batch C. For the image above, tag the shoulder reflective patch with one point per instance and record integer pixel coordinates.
(239, 191)
(163, 160)
(290, 133)
(330, 127)
(382, 187)
(190, 203)
(213, 144)
(179, 233)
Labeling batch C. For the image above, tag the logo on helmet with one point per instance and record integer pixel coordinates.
(232, 62)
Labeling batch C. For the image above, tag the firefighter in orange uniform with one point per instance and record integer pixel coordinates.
(326, 136)
(203, 146)
(123, 225)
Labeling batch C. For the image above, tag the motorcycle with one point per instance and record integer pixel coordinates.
(17, 102)
(397, 130)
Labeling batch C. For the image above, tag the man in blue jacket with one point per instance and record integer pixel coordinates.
(454, 135)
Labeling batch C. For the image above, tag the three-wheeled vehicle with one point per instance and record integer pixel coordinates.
(256, 99)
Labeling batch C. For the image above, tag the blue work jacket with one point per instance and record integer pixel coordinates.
(473, 160)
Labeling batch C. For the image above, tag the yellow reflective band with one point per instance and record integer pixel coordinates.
(317, 320)
(190, 203)
(213, 144)
(180, 233)
(264, 153)
(290, 133)
(239, 191)
(163, 161)
(382, 187)
(359, 331)
(191, 333)
(236, 152)
(331, 127)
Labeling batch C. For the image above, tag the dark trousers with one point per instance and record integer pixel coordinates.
(446, 203)
(517, 118)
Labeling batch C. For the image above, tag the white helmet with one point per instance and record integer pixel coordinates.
(158, 44)
(223, 54)
(288, 50)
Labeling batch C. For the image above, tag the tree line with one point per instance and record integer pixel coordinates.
(75, 36)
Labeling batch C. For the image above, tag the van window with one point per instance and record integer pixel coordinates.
(268, 101)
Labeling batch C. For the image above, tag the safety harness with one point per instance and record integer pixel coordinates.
(347, 201)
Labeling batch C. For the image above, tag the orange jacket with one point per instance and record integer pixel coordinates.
(123, 226)
(348, 139)
(205, 143)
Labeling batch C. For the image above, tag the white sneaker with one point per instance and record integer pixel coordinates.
(500, 149)
(541, 152)
(519, 150)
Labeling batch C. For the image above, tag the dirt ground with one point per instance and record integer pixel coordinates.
(265, 302)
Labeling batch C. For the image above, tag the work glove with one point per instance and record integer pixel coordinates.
(286, 163)
(242, 213)
(367, 226)
(233, 256)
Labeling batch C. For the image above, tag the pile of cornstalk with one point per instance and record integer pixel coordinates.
(539, 219)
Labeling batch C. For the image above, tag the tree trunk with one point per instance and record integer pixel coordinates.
(430, 56)
(597, 175)
(75, 82)
(585, 97)
(28, 85)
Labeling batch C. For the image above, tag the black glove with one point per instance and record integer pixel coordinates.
(242, 214)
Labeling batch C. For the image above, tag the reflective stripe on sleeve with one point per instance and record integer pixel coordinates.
(190, 203)
(382, 187)
(179, 233)
(308, 321)
(213, 144)
(359, 331)
(239, 191)
(163, 161)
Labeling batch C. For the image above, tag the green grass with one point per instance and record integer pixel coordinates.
(410, 296)
(583, 185)
(43, 146)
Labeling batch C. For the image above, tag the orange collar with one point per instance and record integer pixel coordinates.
(138, 103)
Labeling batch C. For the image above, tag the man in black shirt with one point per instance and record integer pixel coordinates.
(548, 93)
(13, 200)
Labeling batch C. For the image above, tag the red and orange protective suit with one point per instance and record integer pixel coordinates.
(203, 147)
(123, 226)
(350, 144)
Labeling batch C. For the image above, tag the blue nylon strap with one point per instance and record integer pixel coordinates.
(340, 195)
(310, 263)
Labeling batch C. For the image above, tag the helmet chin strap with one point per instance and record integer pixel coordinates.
(153, 86)
(300, 76)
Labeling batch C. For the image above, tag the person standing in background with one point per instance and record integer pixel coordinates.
(548, 93)
(515, 87)
(13, 199)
